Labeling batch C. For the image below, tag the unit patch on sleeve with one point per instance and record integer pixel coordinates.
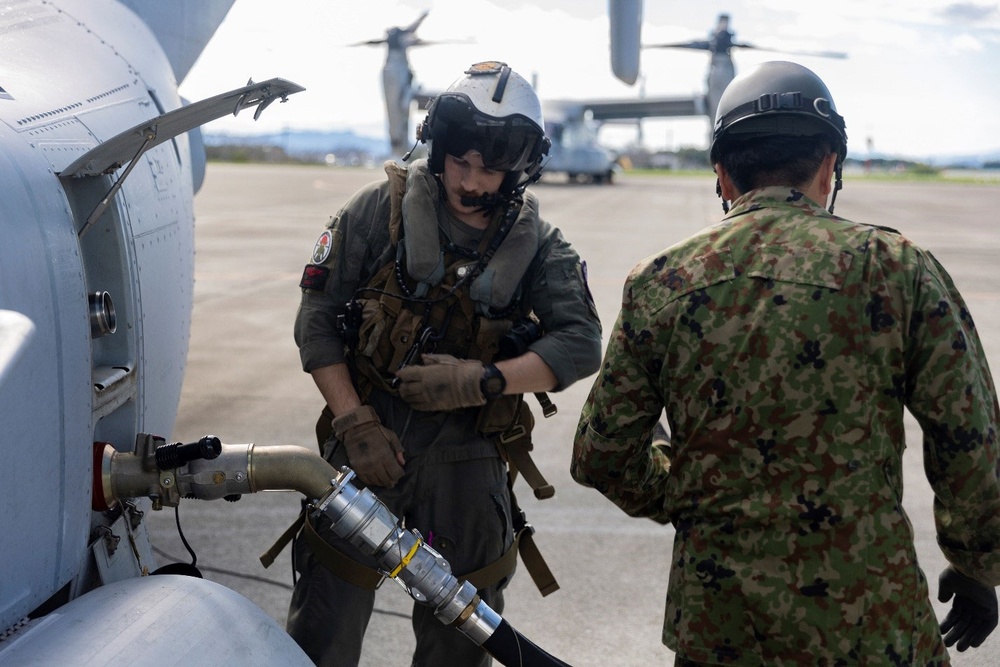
(322, 248)
(314, 277)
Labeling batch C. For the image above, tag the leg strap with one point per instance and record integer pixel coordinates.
(523, 545)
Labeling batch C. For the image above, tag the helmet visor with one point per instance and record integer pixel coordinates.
(510, 143)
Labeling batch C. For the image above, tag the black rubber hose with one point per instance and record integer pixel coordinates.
(512, 649)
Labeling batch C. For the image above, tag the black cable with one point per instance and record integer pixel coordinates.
(217, 570)
(177, 519)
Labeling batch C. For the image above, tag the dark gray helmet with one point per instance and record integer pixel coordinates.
(777, 98)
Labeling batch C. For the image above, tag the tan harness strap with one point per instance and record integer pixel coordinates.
(517, 446)
(267, 558)
(368, 578)
(341, 565)
(534, 563)
(332, 559)
(523, 545)
(491, 574)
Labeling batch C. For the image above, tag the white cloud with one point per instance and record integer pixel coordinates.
(967, 43)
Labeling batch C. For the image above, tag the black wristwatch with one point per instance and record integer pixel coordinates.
(492, 383)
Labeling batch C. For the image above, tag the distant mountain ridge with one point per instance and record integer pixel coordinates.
(307, 143)
(313, 143)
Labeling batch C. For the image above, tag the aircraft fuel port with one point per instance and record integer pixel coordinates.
(103, 320)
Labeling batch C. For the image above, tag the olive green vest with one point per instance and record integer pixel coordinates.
(435, 298)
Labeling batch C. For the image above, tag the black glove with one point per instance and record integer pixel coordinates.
(973, 614)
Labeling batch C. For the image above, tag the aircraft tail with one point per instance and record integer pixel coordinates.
(183, 27)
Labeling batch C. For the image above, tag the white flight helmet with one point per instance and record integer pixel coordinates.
(493, 110)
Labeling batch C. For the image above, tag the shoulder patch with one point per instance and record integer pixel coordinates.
(314, 277)
(322, 248)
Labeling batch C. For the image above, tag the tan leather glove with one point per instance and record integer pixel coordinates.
(442, 382)
(373, 451)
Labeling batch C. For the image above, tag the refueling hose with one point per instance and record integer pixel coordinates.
(210, 470)
(512, 648)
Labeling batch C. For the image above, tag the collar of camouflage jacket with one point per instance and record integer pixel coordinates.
(775, 195)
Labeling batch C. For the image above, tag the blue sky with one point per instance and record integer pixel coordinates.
(922, 77)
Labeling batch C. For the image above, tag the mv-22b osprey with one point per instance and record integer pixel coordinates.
(100, 160)
(573, 125)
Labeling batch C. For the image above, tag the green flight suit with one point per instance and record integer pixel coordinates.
(454, 489)
(783, 345)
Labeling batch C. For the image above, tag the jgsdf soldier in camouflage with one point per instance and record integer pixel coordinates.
(436, 264)
(783, 345)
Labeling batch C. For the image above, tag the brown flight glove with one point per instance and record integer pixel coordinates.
(372, 449)
(442, 382)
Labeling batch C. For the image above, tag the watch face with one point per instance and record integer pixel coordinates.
(493, 382)
(494, 386)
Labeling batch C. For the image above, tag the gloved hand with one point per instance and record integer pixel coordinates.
(973, 614)
(442, 382)
(373, 450)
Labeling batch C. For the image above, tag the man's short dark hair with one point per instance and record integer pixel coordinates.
(774, 160)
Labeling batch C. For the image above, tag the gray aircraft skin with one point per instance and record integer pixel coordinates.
(99, 165)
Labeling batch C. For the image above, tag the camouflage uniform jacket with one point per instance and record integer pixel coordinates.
(784, 344)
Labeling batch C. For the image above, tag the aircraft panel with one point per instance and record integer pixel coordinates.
(118, 149)
(164, 313)
(46, 487)
(164, 620)
(96, 284)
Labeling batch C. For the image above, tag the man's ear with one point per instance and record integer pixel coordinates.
(729, 191)
(825, 174)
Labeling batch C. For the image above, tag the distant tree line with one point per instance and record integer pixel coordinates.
(638, 158)
(251, 153)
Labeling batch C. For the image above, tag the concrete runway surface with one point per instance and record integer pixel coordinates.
(256, 226)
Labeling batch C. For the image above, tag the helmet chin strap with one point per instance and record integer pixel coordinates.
(837, 184)
(718, 191)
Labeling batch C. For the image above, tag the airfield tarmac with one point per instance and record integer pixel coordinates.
(256, 226)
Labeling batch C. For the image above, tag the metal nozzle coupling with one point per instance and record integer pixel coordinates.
(359, 517)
